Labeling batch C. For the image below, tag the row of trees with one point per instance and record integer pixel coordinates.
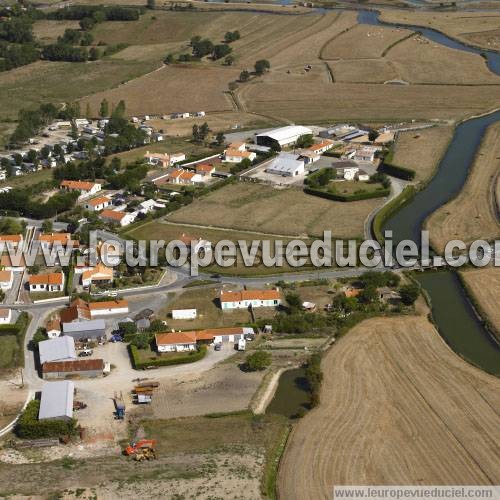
(69, 53)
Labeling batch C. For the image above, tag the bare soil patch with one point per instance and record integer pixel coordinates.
(471, 215)
(397, 407)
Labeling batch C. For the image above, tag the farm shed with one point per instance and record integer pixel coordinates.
(286, 165)
(93, 329)
(282, 136)
(58, 349)
(90, 368)
(57, 400)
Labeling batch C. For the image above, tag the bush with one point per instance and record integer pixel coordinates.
(364, 195)
(190, 357)
(404, 173)
(29, 427)
(258, 360)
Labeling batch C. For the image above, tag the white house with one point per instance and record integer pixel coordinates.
(98, 204)
(86, 188)
(116, 217)
(237, 156)
(363, 176)
(53, 328)
(249, 298)
(108, 308)
(5, 316)
(99, 274)
(184, 313)
(6, 280)
(321, 147)
(180, 176)
(50, 282)
(347, 173)
(176, 341)
(365, 154)
(147, 206)
(286, 165)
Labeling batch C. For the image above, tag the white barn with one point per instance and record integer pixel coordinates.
(283, 136)
(286, 165)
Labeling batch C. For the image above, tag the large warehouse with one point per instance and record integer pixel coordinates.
(286, 165)
(57, 400)
(282, 136)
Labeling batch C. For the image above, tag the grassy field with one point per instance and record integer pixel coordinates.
(470, 216)
(209, 314)
(170, 231)
(289, 212)
(421, 150)
(485, 286)
(480, 28)
(415, 414)
(48, 31)
(8, 350)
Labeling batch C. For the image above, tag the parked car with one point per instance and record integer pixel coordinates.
(218, 347)
(85, 353)
(116, 338)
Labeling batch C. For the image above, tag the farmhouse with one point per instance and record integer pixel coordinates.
(249, 298)
(308, 156)
(58, 349)
(188, 341)
(321, 147)
(286, 165)
(195, 245)
(10, 240)
(5, 316)
(176, 341)
(78, 310)
(48, 240)
(100, 274)
(282, 136)
(57, 400)
(365, 154)
(80, 367)
(116, 217)
(98, 204)
(180, 176)
(184, 314)
(164, 159)
(85, 188)
(85, 330)
(347, 173)
(53, 328)
(16, 263)
(237, 156)
(108, 308)
(204, 169)
(6, 280)
(50, 282)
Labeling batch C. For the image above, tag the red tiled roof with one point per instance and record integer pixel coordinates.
(249, 295)
(78, 365)
(175, 338)
(78, 185)
(46, 279)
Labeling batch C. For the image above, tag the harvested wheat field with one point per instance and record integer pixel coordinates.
(419, 60)
(397, 407)
(421, 150)
(289, 212)
(343, 101)
(471, 215)
(363, 41)
(485, 286)
(171, 89)
(470, 27)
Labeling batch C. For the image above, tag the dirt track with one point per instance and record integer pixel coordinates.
(398, 407)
